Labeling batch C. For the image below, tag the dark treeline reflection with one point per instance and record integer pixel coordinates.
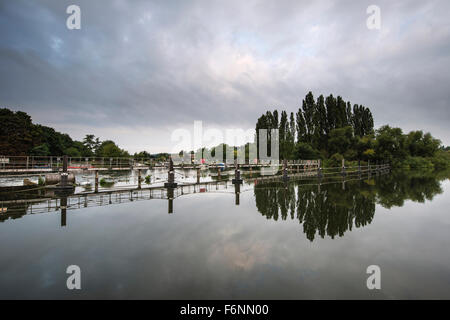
(333, 208)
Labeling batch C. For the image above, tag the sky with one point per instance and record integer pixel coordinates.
(137, 71)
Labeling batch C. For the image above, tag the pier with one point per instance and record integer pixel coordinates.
(55, 199)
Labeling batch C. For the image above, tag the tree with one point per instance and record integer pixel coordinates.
(142, 155)
(108, 148)
(320, 132)
(309, 108)
(341, 140)
(330, 105)
(41, 150)
(73, 152)
(390, 144)
(19, 136)
(305, 151)
(17, 133)
(341, 113)
(363, 144)
(91, 143)
(422, 145)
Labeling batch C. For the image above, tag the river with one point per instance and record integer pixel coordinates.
(295, 240)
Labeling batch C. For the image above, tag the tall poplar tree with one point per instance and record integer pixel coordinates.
(309, 106)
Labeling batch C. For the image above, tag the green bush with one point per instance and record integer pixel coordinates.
(441, 160)
(334, 161)
(304, 151)
(417, 163)
(105, 183)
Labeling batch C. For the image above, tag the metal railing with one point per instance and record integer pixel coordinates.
(55, 163)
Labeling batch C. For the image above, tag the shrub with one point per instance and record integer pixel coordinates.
(417, 163)
(41, 181)
(305, 152)
(441, 160)
(369, 154)
(335, 160)
(105, 183)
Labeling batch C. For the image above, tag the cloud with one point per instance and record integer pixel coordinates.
(158, 66)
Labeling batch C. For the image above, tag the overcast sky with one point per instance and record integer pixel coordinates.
(137, 70)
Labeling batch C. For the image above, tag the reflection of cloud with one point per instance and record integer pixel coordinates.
(245, 258)
(234, 250)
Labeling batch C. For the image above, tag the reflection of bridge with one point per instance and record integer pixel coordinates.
(50, 202)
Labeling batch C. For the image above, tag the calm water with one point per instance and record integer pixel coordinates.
(289, 241)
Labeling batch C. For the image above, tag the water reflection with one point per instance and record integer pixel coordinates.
(130, 247)
(329, 207)
(325, 209)
(17, 202)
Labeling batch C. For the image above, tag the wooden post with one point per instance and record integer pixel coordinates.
(170, 199)
(237, 191)
(218, 173)
(63, 211)
(171, 176)
(285, 171)
(319, 170)
(64, 174)
(96, 180)
(343, 168)
(63, 184)
(198, 175)
(139, 178)
(237, 174)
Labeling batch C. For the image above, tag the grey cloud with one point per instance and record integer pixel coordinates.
(161, 64)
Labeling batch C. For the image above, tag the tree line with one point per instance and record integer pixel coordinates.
(20, 136)
(330, 128)
(316, 124)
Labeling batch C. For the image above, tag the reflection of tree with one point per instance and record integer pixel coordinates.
(333, 211)
(403, 185)
(276, 199)
(19, 209)
(15, 211)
